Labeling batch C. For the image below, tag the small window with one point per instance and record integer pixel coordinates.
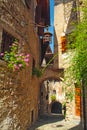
(41, 93)
(7, 41)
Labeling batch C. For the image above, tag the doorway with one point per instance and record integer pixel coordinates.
(56, 107)
(78, 101)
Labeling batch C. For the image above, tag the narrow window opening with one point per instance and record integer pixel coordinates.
(7, 41)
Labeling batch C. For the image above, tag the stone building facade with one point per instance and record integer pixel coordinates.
(19, 92)
(63, 18)
(66, 15)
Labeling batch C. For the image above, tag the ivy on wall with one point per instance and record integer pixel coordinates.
(78, 66)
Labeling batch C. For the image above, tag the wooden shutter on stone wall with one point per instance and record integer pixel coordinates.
(63, 43)
(78, 101)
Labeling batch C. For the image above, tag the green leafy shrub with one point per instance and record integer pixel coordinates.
(14, 58)
(37, 72)
(53, 97)
(79, 61)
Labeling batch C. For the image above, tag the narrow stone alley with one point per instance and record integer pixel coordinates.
(56, 122)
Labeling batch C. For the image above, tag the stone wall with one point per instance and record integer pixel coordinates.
(19, 92)
(16, 100)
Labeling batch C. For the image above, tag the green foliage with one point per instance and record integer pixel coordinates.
(15, 59)
(37, 72)
(40, 71)
(79, 60)
(69, 95)
(53, 97)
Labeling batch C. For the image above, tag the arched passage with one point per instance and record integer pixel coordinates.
(50, 93)
(51, 73)
(50, 85)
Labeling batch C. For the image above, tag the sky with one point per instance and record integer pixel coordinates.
(51, 28)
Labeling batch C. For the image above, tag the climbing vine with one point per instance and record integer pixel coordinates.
(78, 66)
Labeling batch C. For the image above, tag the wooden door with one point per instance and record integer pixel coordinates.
(77, 101)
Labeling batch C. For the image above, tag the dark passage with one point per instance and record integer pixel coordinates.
(56, 108)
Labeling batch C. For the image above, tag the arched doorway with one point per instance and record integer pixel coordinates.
(51, 97)
(56, 107)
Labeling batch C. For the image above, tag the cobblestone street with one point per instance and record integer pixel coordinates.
(57, 122)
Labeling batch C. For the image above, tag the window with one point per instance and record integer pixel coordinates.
(47, 97)
(7, 41)
(41, 93)
(33, 66)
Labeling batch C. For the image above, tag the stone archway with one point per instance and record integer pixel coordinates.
(56, 107)
(45, 91)
(51, 73)
(49, 90)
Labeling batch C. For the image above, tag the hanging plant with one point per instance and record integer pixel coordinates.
(15, 59)
(53, 98)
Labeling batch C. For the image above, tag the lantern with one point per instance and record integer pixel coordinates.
(47, 37)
